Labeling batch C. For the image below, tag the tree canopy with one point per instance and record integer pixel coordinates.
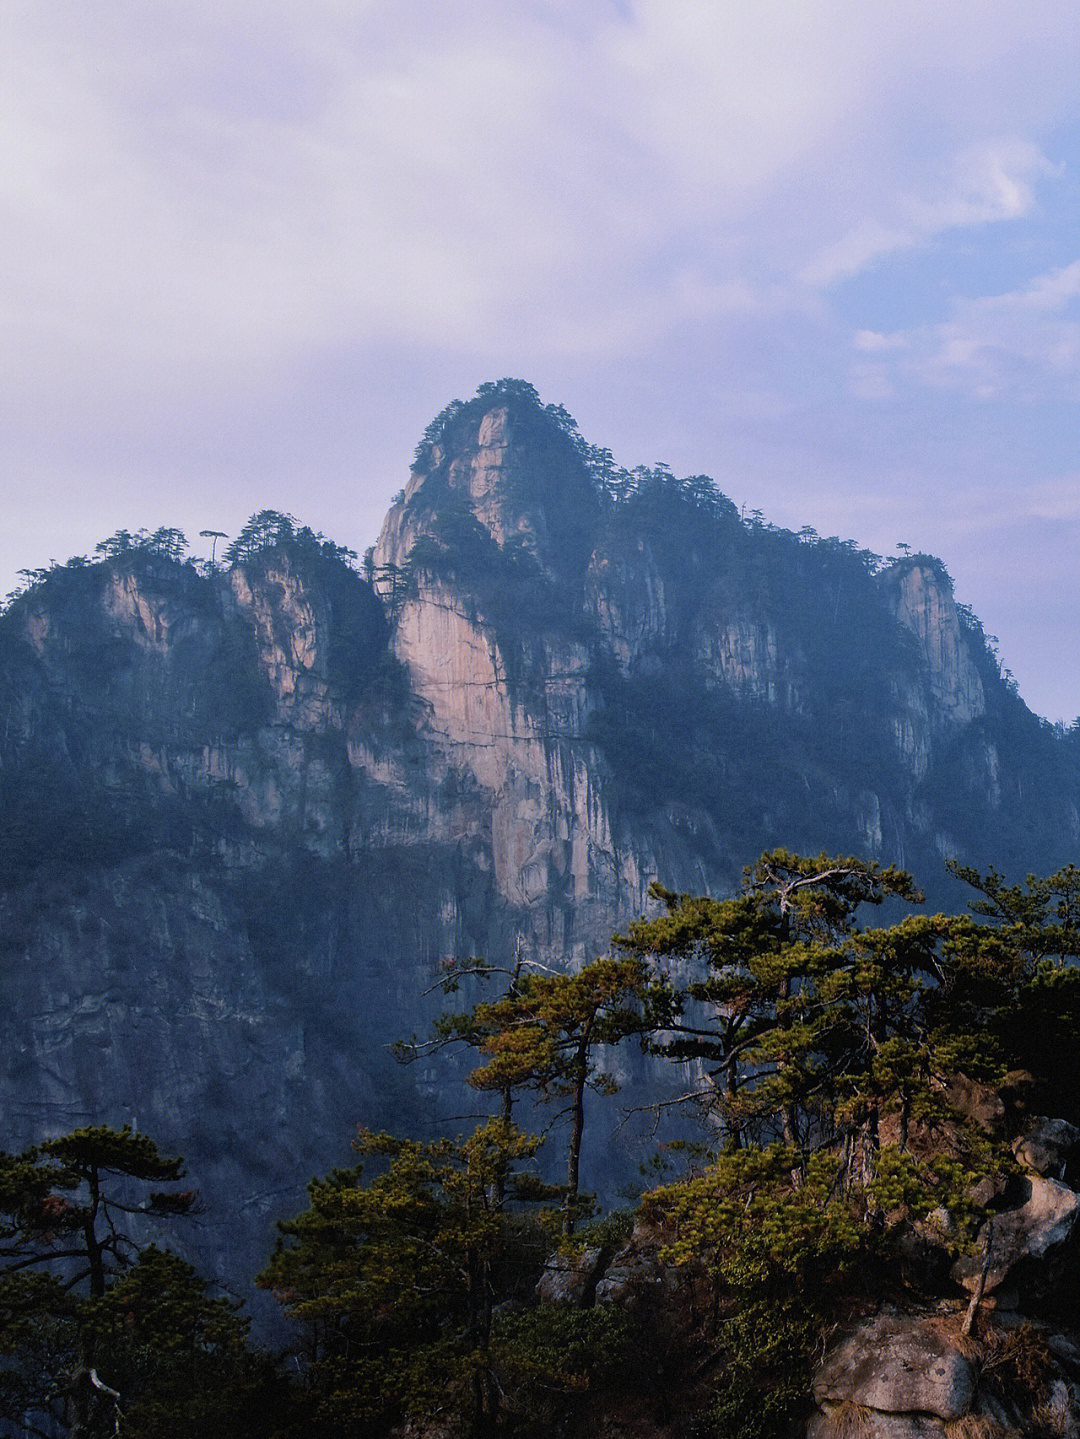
(830, 1038)
(101, 1334)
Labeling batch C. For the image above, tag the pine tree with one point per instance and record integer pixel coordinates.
(548, 1036)
(394, 1273)
(97, 1334)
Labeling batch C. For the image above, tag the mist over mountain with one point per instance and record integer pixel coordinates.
(248, 808)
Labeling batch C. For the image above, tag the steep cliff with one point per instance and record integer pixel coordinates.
(723, 683)
(248, 809)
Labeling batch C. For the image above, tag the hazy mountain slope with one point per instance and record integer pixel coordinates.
(246, 811)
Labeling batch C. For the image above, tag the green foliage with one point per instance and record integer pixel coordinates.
(87, 1155)
(1040, 919)
(38, 1336)
(138, 550)
(393, 1274)
(175, 1359)
(98, 1336)
(608, 1232)
(274, 530)
(543, 1036)
(767, 1357)
(164, 543)
(547, 1034)
(62, 1203)
(829, 1047)
(180, 1358)
(549, 1355)
(782, 1242)
(805, 1019)
(1012, 972)
(761, 1216)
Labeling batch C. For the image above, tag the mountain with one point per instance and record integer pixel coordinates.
(249, 808)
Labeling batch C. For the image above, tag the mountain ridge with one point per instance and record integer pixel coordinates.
(248, 810)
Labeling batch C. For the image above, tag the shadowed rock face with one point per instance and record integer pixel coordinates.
(247, 812)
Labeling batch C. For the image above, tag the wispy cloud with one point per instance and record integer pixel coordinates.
(993, 182)
(187, 190)
(1023, 345)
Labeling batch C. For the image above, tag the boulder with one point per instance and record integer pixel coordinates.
(1048, 1147)
(1062, 1410)
(635, 1274)
(628, 1278)
(1065, 1351)
(569, 1278)
(979, 1102)
(899, 1365)
(985, 1190)
(1029, 1233)
(898, 1376)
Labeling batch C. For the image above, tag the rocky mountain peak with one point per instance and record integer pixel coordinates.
(501, 466)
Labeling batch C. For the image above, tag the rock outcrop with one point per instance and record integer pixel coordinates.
(919, 1371)
(1049, 1147)
(896, 1366)
(908, 1376)
(1023, 1240)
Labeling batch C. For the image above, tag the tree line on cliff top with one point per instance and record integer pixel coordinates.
(548, 430)
(822, 1055)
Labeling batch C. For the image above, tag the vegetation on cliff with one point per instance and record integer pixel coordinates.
(832, 1064)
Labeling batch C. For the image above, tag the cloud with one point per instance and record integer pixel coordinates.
(993, 182)
(872, 342)
(247, 254)
(1022, 345)
(190, 196)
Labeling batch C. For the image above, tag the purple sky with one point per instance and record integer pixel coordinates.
(826, 252)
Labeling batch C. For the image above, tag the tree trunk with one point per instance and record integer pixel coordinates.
(81, 1392)
(83, 1397)
(573, 1159)
(479, 1336)
(497, 1190)
(790, 1123)
(980, 1289)
(731, 1085)
(94, 1255)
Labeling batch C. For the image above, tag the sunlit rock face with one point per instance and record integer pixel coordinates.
(923, 603)
(247, 812)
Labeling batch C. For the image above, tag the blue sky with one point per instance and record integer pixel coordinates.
(827, 252)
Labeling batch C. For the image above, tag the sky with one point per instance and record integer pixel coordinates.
(828, 253)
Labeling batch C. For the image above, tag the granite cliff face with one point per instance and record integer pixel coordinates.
(247, 810)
